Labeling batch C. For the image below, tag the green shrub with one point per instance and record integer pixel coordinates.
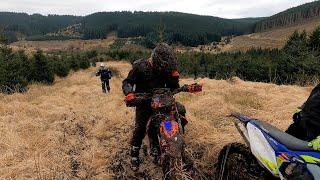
(61, 67)
(74, 62)
(41, 70)
(84, 62)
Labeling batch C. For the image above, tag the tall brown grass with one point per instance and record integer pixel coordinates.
(71, 130)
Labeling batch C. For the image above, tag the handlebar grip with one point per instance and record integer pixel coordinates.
(136, 99)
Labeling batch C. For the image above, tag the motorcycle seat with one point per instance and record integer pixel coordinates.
(287, 140)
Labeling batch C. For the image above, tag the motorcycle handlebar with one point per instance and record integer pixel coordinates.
(141, 97)
(193, 88)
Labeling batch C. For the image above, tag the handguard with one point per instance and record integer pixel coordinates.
(129, 99)
(133, 100)
(315, 144)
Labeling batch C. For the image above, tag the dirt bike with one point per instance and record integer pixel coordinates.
(270, 154)
(167, 123)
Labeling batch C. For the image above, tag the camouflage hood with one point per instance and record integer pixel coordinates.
(164, 58)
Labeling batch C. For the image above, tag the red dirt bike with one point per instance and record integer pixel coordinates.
(167, 123)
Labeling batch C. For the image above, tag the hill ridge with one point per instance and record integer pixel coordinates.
(290, 16)
(185, 28)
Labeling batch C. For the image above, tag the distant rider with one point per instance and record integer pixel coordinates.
(105, 75)
(159, 71)
(306, 125)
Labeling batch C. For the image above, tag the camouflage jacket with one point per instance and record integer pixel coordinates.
(143, 79)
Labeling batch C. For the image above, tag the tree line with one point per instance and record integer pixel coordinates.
(298, 62)
(17, 70)
(20, 25)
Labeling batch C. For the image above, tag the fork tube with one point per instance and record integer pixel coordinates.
(179, 120)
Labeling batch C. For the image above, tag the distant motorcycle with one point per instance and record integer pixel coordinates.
(168, 123)
(270, 153)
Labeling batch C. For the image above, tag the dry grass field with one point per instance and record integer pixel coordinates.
(71, 130)
(275, 38)
(47, 46)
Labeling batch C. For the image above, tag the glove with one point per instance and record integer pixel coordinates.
(130, 97)
(315, 144)
(296, 116)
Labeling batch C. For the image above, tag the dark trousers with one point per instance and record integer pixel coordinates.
(105, 85)
(303, 130)
(143, 114)
(297, 131)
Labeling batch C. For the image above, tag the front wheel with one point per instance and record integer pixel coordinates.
(236, 161)
(175, 169)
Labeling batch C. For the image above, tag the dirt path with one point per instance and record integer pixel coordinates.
(72, 131)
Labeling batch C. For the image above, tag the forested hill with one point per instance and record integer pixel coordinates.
(173, 27)
(291, 16)
(22, 24)
(188, 29)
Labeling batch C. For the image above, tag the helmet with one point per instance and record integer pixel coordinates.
(164, 58)
(102, 65)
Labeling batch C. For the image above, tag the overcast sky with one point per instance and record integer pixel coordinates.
(221, 8)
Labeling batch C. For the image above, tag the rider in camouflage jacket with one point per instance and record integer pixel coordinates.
(159, 71)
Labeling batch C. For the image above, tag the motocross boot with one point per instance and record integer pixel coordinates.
(135, 161)
(155, 152)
